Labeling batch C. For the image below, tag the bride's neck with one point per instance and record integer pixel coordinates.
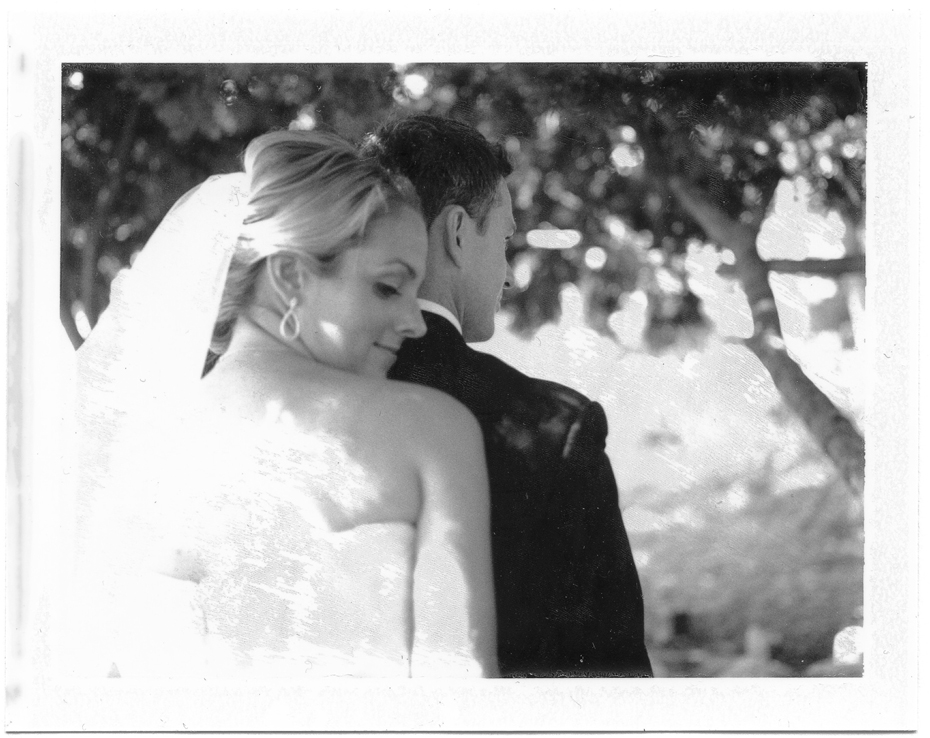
(256, 332)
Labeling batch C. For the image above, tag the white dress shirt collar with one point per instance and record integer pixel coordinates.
(434, 307)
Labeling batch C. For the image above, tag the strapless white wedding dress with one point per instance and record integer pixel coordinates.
(222, 567)
(338, 605)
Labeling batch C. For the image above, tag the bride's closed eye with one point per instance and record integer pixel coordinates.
(386, 290)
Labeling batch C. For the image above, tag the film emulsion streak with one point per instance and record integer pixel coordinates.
(17, 366)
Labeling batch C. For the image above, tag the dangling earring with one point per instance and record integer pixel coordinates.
(289, 327)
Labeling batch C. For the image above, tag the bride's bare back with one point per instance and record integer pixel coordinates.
(359, 503)
(345, 438)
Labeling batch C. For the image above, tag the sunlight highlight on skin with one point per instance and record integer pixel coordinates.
(275, 413)
(332, 331)
(322, 474)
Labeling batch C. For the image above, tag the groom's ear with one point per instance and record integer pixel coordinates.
(452, 223)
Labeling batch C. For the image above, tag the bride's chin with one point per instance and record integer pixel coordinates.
(382, 371)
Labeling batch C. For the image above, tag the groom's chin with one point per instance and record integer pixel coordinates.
(480, 334)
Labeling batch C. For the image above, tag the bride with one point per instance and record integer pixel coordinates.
(293, 513)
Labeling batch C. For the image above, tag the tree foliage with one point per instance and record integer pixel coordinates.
(638, 160)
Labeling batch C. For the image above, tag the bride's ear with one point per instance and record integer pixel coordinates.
(287, 274)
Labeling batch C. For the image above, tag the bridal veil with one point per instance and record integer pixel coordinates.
(135, 377)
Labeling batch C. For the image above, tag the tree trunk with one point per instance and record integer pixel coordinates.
(835, 433)
(854, 284)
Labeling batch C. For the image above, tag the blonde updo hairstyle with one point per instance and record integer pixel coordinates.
(311, 194)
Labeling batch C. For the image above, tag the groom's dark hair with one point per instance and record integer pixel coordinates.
(448, 162)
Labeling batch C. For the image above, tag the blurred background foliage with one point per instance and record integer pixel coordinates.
(594, 146)
(790, 564)
(621, 170)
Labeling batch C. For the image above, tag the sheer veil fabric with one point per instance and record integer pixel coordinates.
(135, 378)
(198, 552)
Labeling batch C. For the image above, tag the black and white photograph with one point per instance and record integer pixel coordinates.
(563, 385)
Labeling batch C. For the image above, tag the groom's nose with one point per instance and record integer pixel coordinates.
(509, 280)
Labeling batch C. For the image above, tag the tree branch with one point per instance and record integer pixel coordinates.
(811, 267)
(835, 434)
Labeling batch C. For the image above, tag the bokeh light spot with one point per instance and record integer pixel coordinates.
(305, 120)
(668, 282)
(595, 258)
(789, 162)
(616, 227)
(553, 238)
(523, 273)
(415, 85)
(626, 158)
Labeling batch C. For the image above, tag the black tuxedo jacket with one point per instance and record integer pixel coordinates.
(568, 597)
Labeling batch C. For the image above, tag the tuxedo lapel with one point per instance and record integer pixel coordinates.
(439, 359)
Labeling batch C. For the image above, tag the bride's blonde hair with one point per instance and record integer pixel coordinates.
(311, 193)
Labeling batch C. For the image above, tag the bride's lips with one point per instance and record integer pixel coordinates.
(388, 348)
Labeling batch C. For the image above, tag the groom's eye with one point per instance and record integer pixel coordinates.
(386, 290)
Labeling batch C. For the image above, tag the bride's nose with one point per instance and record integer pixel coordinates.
(412, 324)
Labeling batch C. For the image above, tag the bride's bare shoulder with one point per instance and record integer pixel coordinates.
(362, 406)
(422, 410)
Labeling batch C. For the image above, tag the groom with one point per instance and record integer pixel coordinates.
(569, 602)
